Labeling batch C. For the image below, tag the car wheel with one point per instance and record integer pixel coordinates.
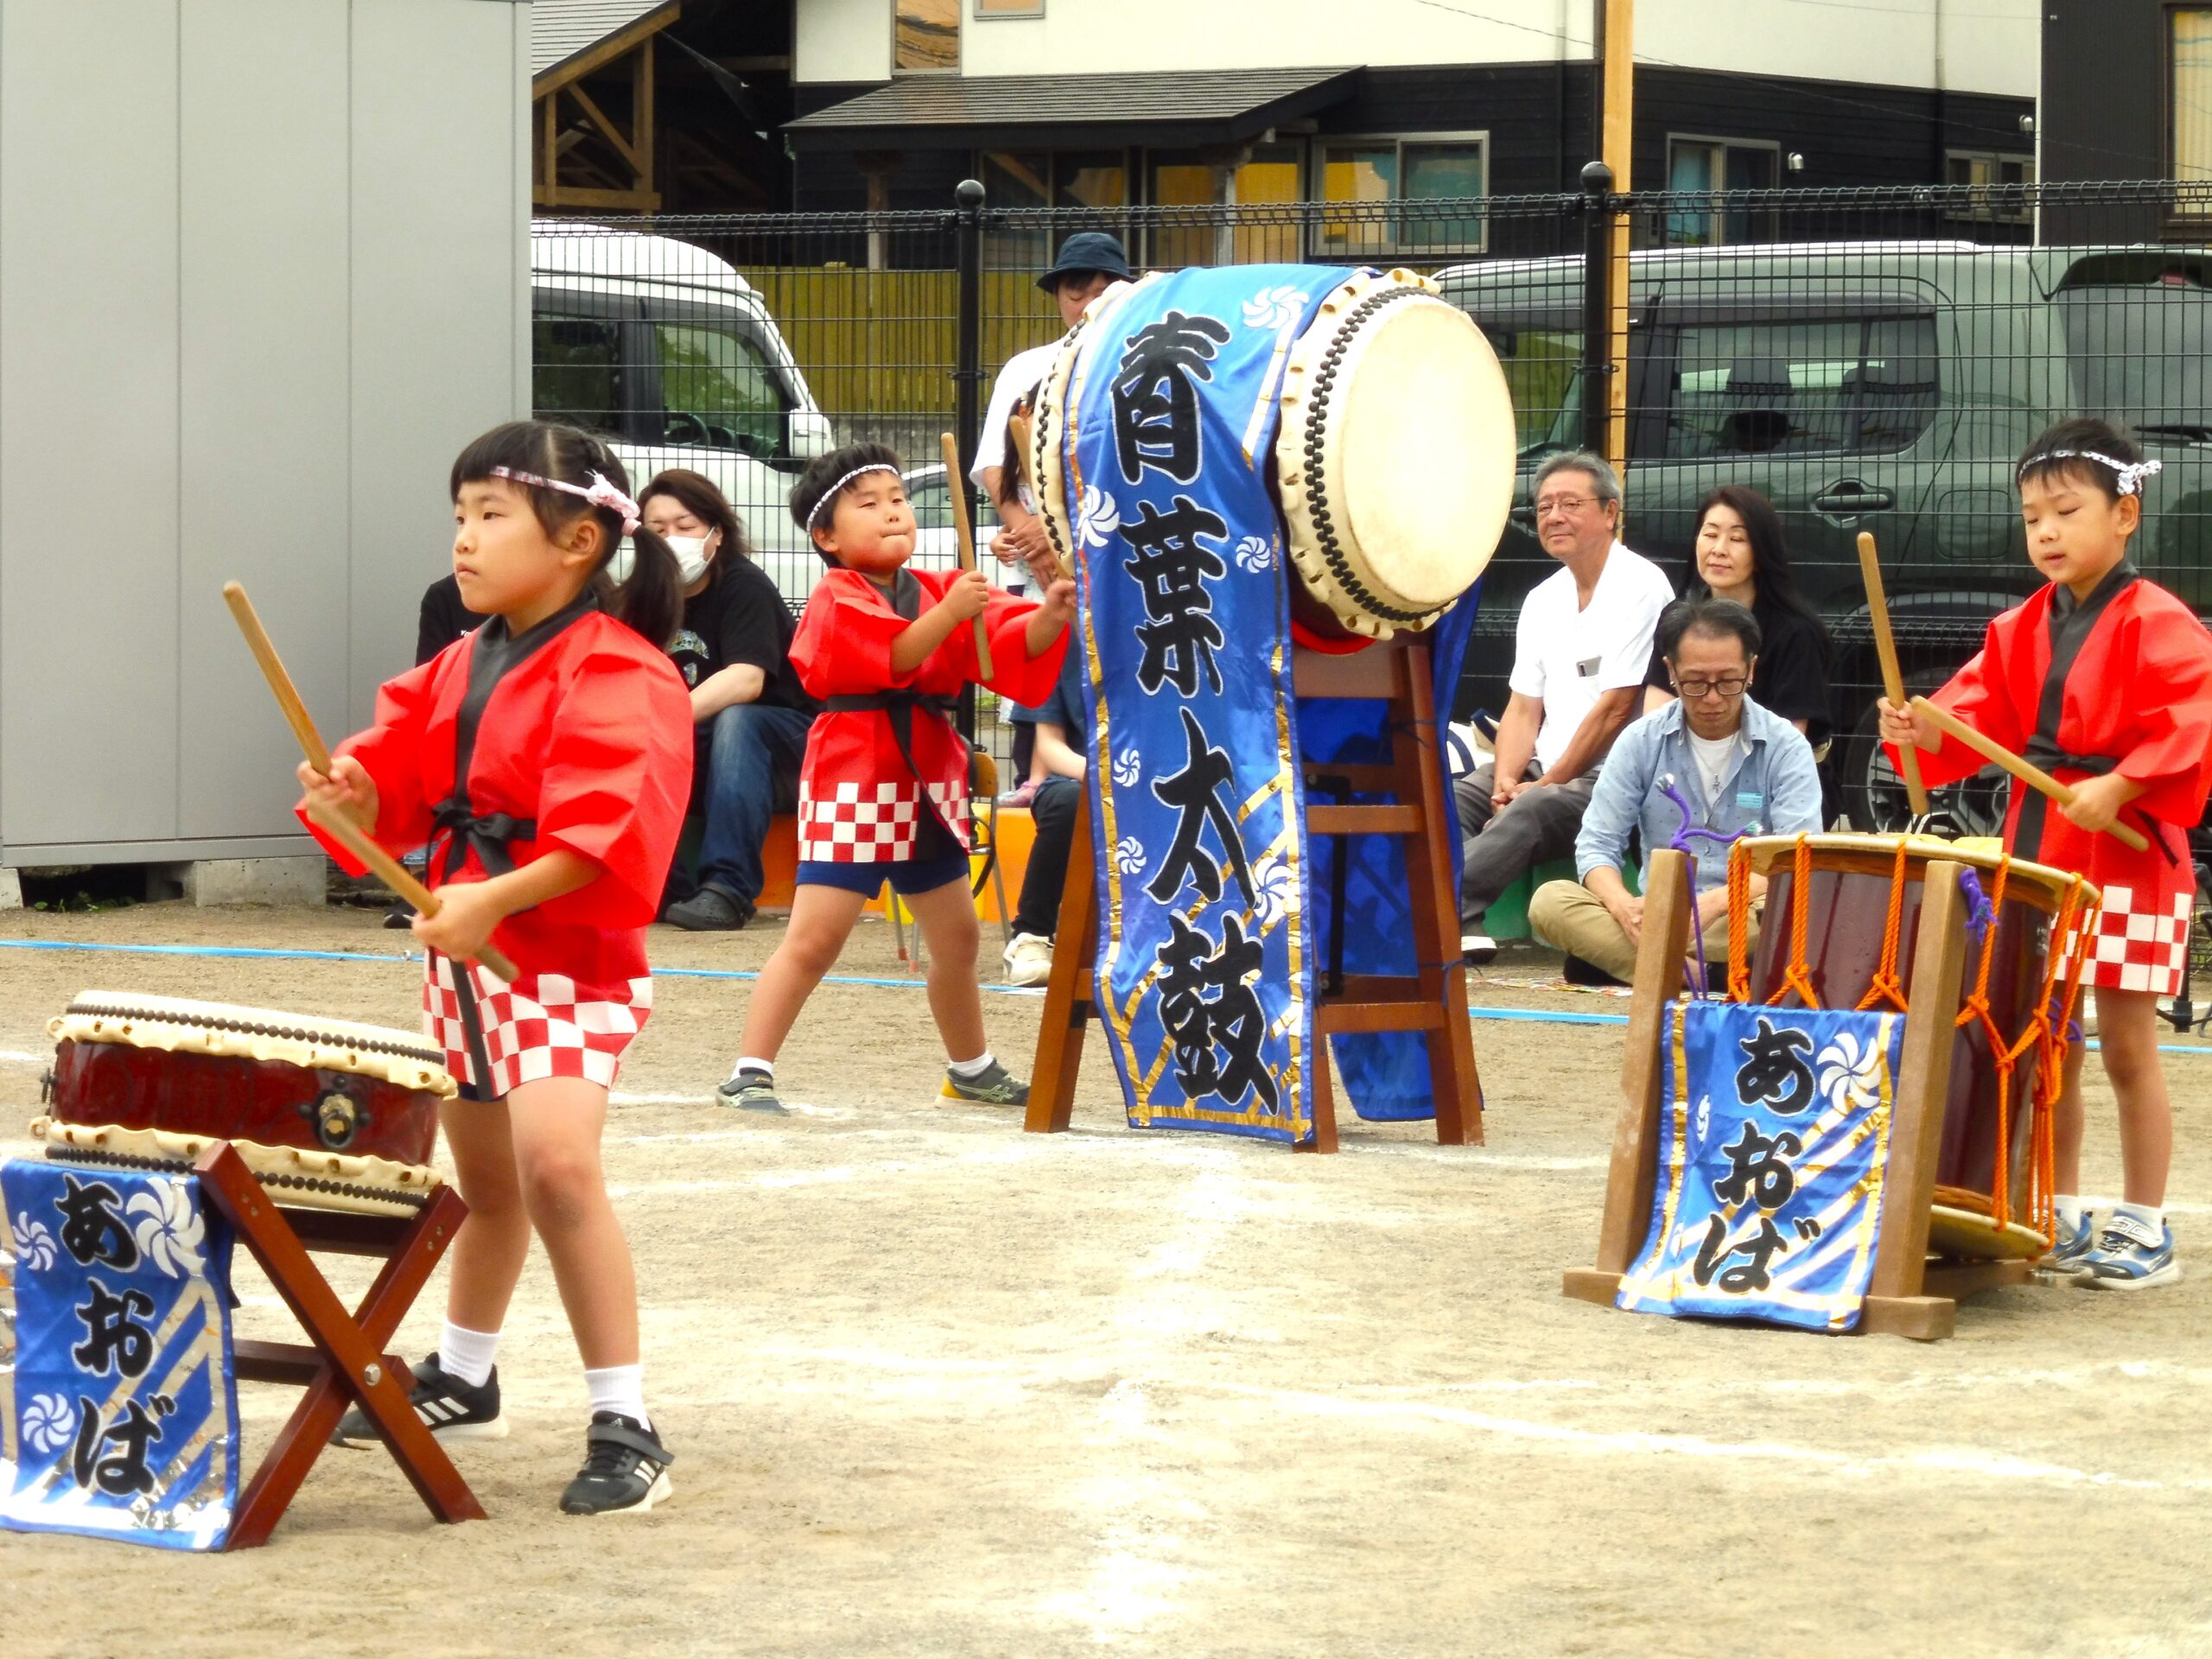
(1873, 793)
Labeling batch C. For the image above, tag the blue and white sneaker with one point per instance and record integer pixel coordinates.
(2069, 1252)
(2130, 1254)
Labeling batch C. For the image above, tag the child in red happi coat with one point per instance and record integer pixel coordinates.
(2103, 679)
(545, 760)
(883, 795)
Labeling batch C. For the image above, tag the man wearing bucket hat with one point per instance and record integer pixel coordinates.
(1089, 262)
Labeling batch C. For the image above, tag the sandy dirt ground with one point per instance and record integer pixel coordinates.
(938, 1386)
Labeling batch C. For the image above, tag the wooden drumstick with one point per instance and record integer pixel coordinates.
(318, 756)
(1886, 647)
(356, 841)
(958, 490)
(272, 670)
(2034, 776)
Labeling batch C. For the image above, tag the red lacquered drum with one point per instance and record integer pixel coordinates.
(325, 1105)
(1848, 917)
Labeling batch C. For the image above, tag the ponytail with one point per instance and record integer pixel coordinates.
(650, 600)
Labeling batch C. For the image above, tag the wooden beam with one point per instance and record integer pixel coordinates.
(1666, 936)
(551, 158)
(614, 46)
(643, 202)
(641, 113)
(608, 131)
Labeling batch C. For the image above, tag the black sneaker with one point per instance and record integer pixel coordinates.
(453, 1410)
(750, 1091)
(625, 1471)
(711, 910)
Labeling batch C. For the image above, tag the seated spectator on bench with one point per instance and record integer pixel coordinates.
(1741, 555)
(1061, 730)
(750, 716)
(1580, 646)
(1711, 760)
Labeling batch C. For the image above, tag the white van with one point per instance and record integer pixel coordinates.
(662, 347)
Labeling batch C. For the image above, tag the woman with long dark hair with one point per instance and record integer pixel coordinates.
(1741, 555)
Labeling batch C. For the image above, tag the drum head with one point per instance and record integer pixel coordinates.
(1396, 453)
(182, 1027)
(1059, 497)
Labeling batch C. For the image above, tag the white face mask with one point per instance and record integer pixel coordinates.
(692, 554)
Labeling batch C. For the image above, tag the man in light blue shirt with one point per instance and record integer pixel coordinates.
(1708, 767)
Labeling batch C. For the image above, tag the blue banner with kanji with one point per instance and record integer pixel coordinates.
(1205, 971)
(118, 1417)
(1774, 1140)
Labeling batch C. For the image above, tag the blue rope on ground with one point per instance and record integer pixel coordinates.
(1533, 1016)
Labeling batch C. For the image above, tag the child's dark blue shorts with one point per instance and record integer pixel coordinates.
(907, 875)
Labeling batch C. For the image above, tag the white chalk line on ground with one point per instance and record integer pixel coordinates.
(1934, 1460)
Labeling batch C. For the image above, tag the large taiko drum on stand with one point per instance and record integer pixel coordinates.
(325, 1111)
(1861, 898)
(1392, 467)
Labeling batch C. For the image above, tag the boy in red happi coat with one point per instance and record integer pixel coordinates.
(883, 795)
(2103, 679)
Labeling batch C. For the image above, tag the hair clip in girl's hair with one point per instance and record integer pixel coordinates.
(2131, 473)
(602, 491)
(837, 489)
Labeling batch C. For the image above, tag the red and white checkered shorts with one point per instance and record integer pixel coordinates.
(2137, 949)
(535, 1028)
(873, 823)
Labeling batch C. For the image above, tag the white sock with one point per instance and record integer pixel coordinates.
(746, 1063)
(2150, 1215)
(968, 1070)
(620, 1389)
(466, 1355)
(2070, 1209)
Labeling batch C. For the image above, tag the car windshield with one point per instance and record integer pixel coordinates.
(2140, 355)
(720, 389)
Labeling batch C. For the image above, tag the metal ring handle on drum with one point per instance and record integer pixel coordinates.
(1316, 486)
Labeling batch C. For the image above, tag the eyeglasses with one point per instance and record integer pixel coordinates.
(1706, 687)
(1564, 504)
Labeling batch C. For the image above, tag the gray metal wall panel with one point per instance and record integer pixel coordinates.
(88, 422)
(436, 247)
(264, 350)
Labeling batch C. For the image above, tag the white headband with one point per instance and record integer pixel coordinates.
(600, 492)
(2132, 474)
(836, 489)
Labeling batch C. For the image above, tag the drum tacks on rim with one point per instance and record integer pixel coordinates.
(1393, 466)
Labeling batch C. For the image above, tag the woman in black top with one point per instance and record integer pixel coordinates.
(748, 710)
(1740, 555)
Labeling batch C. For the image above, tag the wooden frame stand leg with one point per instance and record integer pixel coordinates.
(344, 1362)
(1907, 1295)
(1432, 1000)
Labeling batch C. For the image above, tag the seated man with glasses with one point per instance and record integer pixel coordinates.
(1703, 770)
(1580, 649)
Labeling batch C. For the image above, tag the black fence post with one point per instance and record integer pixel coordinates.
(1597, 364)
(967, 373)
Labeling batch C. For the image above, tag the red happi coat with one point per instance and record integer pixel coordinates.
(2124, 684)
(859, 800)
(583, 732)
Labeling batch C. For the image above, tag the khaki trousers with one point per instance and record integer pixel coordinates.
(1567, 915)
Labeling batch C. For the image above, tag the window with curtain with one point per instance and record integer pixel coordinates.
(927, 36)
(1715, 165)
(1997, 181)
(2189, 61)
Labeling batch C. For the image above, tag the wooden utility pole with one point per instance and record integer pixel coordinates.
(1618, 67)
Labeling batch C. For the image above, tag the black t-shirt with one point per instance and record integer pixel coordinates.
(738, 617)
(444, 619)
(1792, 677)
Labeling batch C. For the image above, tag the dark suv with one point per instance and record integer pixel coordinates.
(1864, 386)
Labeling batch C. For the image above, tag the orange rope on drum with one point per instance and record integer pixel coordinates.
(1885, 982)
(2002, 1054)
(1739, 922)
(1798, 976)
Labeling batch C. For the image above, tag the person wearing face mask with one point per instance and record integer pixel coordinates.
(750, 716)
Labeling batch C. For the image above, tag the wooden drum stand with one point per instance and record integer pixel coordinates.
(1431, 1000)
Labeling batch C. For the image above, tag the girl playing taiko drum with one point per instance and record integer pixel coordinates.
(546, 759)
(2104, 679)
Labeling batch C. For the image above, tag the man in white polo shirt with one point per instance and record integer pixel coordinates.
(1580, 652)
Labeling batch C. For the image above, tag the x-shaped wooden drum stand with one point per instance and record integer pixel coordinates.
(343, 1363)
(1431, 1000)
